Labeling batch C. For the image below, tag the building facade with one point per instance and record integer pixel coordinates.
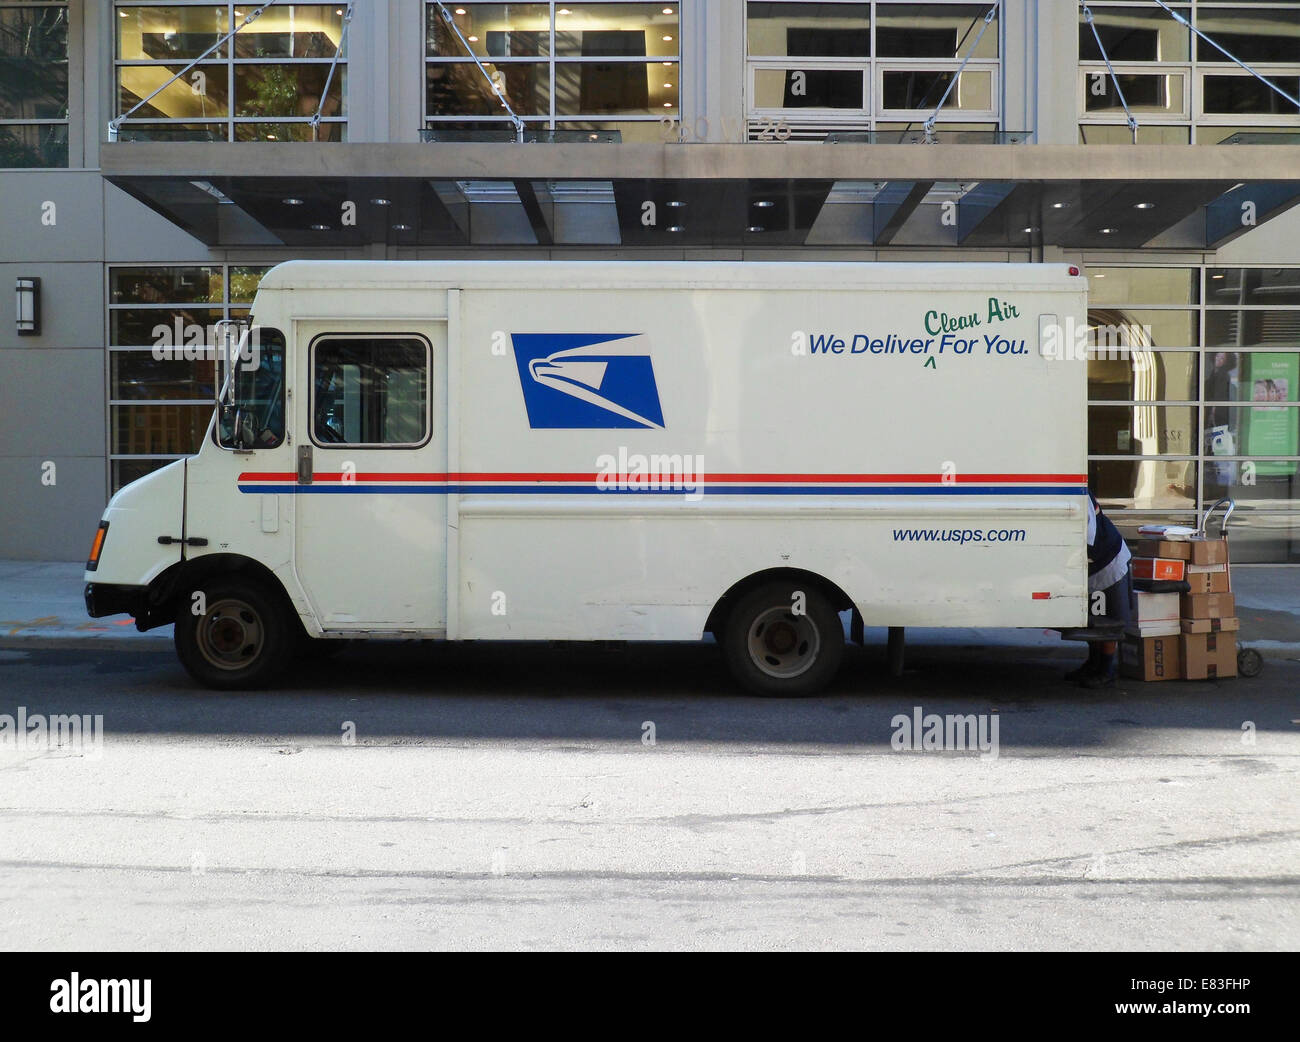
(701, 129)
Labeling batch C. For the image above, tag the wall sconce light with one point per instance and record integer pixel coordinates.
(28, 310)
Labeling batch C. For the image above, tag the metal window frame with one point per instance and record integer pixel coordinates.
(551, 120)
(228, 61)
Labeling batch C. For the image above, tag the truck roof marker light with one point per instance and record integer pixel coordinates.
(97, 547)
(1074, 270)
(1040, 596)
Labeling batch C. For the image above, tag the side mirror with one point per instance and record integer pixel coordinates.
(244, 430)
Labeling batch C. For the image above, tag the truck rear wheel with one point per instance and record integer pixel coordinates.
(241, 639)
(783, 639)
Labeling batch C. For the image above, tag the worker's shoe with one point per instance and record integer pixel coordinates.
(1082, 673)
(1100, 679)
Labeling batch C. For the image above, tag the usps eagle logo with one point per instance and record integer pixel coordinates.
(587, 380)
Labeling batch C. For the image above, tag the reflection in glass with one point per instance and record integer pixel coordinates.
(1133, 35)
(1157, 485)
(816, 30)
(1142, 430)
(1128, 286)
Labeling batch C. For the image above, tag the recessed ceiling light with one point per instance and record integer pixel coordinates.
(675, 202)
(460, 10)
(668, 10)
(1109, 231)
(401, 227)
(382, 202)
(473, 39)
(1059, 206)
(320, 227)
(764, 203)
(1144, 206)
(756, 228)
(668, 85)
(677, 228)
(668, 104)
(1099, 276)
(1216, 276)
(1026, 230)
(668, 39)
(292, 202)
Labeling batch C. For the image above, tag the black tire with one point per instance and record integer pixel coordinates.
(243, 640)
(772, 651)
(1250, 663)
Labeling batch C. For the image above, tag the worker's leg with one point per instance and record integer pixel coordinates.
(1119, 608)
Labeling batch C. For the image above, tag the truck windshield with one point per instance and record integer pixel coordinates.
(251, 412)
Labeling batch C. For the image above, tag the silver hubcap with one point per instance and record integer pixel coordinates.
(783, 645)
(230, 635)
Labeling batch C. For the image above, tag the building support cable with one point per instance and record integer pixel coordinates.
(329, 80)
(115, 124)
(988, 20)
(1223, 50)
(497, 88)
(1128, 114)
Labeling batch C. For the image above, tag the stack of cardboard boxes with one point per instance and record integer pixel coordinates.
(1182, 635)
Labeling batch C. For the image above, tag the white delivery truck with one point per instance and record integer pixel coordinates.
(621, 451)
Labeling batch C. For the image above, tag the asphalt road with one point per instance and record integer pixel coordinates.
(508, 797)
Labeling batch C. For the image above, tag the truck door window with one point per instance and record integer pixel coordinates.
(370, 391)
(258, 394)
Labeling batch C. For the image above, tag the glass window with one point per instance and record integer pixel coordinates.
(163, 324)
(1254, 35)
(274, 69)
(1132, 35)
(1246, 95)
(371, 391)
(491, 30)
(254, 417)
(1255, 328)
(1232, 286)
(1144, 376)
(1142, 430)
(1149, 93)
(816, 30)
(34, 86)
(918, 30)
(809, 89)
(168, 33)
(922, 90)
(1119, 134)
(1160, 486)
(1117, 285)
(553, 65)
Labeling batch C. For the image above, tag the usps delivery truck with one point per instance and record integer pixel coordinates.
(621, 451)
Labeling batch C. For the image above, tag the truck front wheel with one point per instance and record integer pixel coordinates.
(783, 639)
(232, 634)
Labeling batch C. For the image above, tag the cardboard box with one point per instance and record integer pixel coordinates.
(1152, 658)
(1209, 656)
(1179, 551)
(1168, 628)
(1158, 568)
(1208, 606)
(1210, 625)
(1209, 551)
(1208, 578)
(1156, 607)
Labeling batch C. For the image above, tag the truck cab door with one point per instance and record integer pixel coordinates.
(370, 522)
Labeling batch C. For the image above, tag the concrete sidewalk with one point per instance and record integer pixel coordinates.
(41, 601)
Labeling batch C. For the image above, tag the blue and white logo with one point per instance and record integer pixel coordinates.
(591, 380)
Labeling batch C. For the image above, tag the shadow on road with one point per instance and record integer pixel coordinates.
(539, 692)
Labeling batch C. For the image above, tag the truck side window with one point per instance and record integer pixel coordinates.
(258, 395)
(370, 391)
